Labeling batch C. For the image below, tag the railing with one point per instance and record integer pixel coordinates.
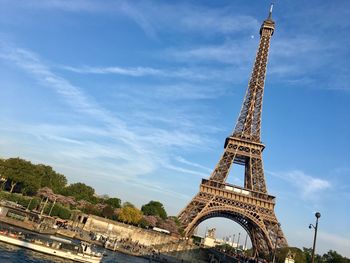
(238, 190)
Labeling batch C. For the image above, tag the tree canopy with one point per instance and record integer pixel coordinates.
(80, 191)
(154, 208)
(113, 202)
(20, 175)
(107, 212)
(130, 215)
(50, 178)
(24, 177)
(304, 256)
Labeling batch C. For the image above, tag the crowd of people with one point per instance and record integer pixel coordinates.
(134, 247)
(241, 258)
(127, 245)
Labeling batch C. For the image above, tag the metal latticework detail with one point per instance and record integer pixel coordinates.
(250, 206)
(248, 125)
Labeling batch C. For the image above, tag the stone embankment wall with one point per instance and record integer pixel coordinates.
(118, 230)
(167, 247)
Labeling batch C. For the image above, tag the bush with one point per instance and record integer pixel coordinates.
(59, 211)
(20, 199)
(154, 208)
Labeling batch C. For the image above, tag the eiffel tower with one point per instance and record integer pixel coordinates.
(250, 206)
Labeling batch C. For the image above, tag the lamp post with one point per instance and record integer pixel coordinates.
(245, 244)
(54, 202)
(31, 199)
(317, 215)
(239, 234)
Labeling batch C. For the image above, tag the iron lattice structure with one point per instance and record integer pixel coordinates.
(250, 206)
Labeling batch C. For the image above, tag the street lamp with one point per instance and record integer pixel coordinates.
(239, 234)
(317, 215)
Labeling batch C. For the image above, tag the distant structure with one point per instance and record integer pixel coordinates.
(250, 206)
(290, 258)
(211, 232)
(209, 239)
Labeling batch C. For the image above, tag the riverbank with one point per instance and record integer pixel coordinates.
(174, 252)
(127, 239)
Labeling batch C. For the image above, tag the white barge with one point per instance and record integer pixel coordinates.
(80, 252)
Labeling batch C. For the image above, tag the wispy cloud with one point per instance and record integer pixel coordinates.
(31, 63)
(89, 160)
(154, 17)
(134, 72)
(294, 57)
(79, 101)
(196, 74)
(308, 185)
(184, 170)
(193, 164)
(227, 53)
(107, 147)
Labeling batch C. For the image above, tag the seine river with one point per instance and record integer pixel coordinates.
(9, 253)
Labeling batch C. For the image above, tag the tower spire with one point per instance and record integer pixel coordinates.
(270, 13)
(249, 121)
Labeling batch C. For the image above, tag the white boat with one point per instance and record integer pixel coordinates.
(80, 253)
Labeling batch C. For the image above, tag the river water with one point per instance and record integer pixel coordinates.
(13, 254)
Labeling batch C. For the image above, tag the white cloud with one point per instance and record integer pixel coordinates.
(193, 164)
(106, 148)
(135, 72)
(153, 17)
(227, 53)
(196, 74)
(308, 185)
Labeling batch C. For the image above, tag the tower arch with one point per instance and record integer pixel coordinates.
(252, 224)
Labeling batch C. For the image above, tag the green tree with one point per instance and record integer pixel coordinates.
(58, 210)
(154, 208)
(20, 175)
(50, 178)
(80, 191)
(108, 212)
(25, 177)
(333, 257)
(113, 202)
(307, 252)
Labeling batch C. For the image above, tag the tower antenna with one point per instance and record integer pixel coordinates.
(270, 13)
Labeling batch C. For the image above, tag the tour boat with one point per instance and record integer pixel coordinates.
(77, 252)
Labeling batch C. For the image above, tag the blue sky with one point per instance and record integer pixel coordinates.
(136, 98)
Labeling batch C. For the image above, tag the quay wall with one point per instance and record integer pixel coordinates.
(119, 230)
(168, 248)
